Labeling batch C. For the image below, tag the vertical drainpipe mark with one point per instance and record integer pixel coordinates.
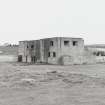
(24, 44)
(60, 42)
(60, 45)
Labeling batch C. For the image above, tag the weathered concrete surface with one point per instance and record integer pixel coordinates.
(29, 49)
(72, 53)
(94, 55)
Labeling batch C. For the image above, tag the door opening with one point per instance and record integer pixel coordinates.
(33, 59)
(19, 58)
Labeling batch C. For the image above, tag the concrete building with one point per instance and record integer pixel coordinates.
(97, 54)
(56, 50)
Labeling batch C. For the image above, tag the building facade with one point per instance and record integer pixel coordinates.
(56, 50)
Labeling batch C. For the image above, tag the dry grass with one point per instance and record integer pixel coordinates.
(52, 85)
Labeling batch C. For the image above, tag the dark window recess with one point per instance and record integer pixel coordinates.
(54, 54)
(33, 59)
(19, 58)
(32, 46)
(51, 43)
(94, 53)
(75, 43)
(48, 54)
(98, 53)
(102, 53)
(27, 47)
(66, 43)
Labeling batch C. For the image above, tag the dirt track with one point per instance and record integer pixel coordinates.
(52, 85)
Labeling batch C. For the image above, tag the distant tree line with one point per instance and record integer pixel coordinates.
(10, 45)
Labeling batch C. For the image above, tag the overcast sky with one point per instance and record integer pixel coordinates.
(34, 19)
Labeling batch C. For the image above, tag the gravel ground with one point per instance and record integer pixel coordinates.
(22, 84)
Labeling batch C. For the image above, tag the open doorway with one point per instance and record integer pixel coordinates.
(33, 59)
(19, 58)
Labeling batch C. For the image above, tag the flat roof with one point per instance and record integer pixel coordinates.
(52, 38)
(62, 37)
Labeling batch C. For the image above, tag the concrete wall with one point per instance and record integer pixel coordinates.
(64, 54)
(46, 48)
(51, 49)
(71, 54)
(88, 57)
(29, 49)
(91, 57)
